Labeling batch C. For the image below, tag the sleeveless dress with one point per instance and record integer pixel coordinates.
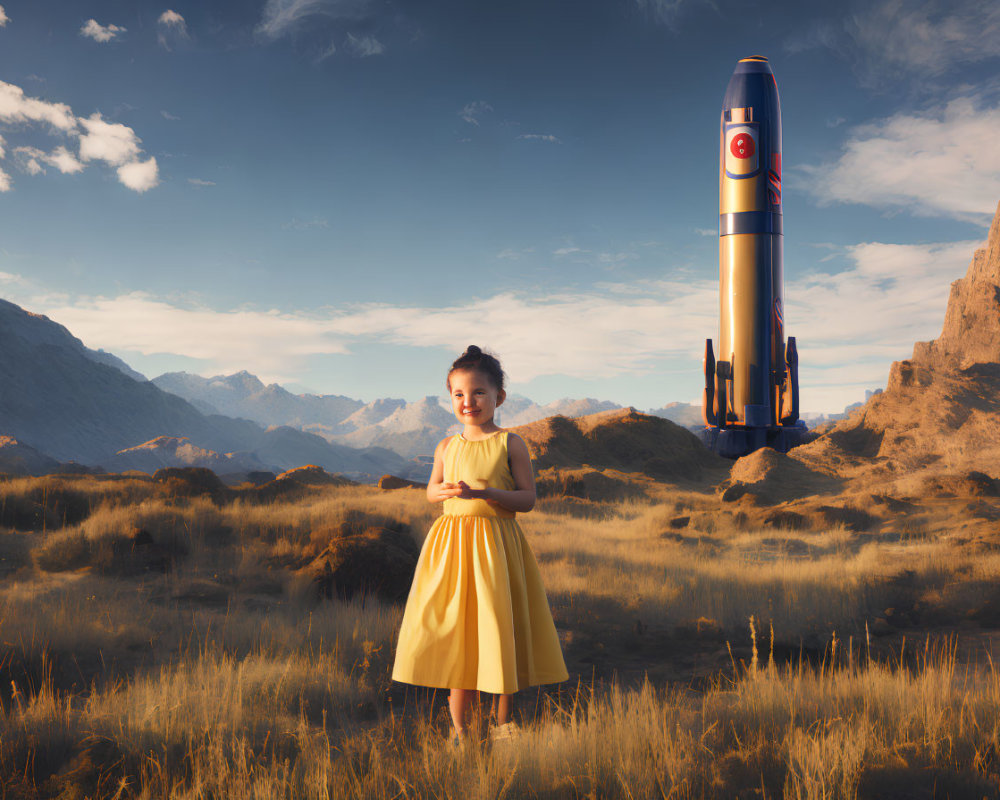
(477, 616)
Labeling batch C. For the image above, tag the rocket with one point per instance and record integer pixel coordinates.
(751, 397)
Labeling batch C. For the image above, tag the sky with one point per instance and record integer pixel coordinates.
(341, 195)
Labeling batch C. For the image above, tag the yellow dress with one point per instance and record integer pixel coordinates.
(477, 616)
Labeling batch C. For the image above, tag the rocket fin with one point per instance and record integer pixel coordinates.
(723, 390)
(708, 411)
(790, 391)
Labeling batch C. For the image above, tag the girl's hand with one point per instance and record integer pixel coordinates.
(466, 492)
(440, 492)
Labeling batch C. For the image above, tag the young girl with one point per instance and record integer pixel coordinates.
(477, 618)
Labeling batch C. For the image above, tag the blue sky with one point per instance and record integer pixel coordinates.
(339, 195)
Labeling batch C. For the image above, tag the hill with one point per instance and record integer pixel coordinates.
(624, 440)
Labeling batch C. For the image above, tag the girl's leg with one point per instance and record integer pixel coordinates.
(505, 705)
(458, 703)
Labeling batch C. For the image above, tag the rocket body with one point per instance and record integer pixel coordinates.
(753, 389)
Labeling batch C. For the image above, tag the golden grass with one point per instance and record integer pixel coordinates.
(224, 677)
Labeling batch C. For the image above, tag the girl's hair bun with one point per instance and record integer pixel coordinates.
(474, 358)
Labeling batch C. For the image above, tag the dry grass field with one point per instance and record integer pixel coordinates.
(164, 643)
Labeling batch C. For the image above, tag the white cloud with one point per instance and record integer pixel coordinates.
(850, 325)
(172, 27)
(472, 112)
(5, 182)
(261, 341)
(4, 19)
(541, 137)
(100, 33)
(363, 46)
(113, 143)
(15, 107)
(171, 19)
(944, 163)
(706, 231)
(282, 16)
(3, 152)
(107, 141)
(64, 161)
(32, 159)
(140, 176)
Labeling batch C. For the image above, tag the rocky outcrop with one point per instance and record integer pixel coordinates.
(941, 408)
(362, 556)
(389, 482)
(178, 451)
(311, 475)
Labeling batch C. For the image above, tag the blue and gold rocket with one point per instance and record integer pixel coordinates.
(751, 395)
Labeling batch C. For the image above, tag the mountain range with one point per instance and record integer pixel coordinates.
(74, 404)
(408, 428)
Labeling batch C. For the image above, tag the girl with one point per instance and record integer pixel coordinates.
(477, 618)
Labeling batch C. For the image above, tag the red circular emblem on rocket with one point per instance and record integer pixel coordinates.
(742, 145)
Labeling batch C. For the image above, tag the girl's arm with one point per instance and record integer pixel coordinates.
(437, 489)
(520, 499)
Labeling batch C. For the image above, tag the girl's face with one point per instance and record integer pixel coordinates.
(474, 398)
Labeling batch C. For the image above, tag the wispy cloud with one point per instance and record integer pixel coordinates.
(304, 225)
(364, 46)
(474, 111)
(115, 144)
(615, 258)
(929, 38)
(891, 40)
(280, 17)
(667, 12)
(4, 19)
(541, 137)
(943, 163)
(171, 28)
(568, 251)
(168, 115)
(200, 182)
(510, 254)
(92, 29)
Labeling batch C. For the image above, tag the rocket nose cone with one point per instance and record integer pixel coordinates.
(753, 64)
